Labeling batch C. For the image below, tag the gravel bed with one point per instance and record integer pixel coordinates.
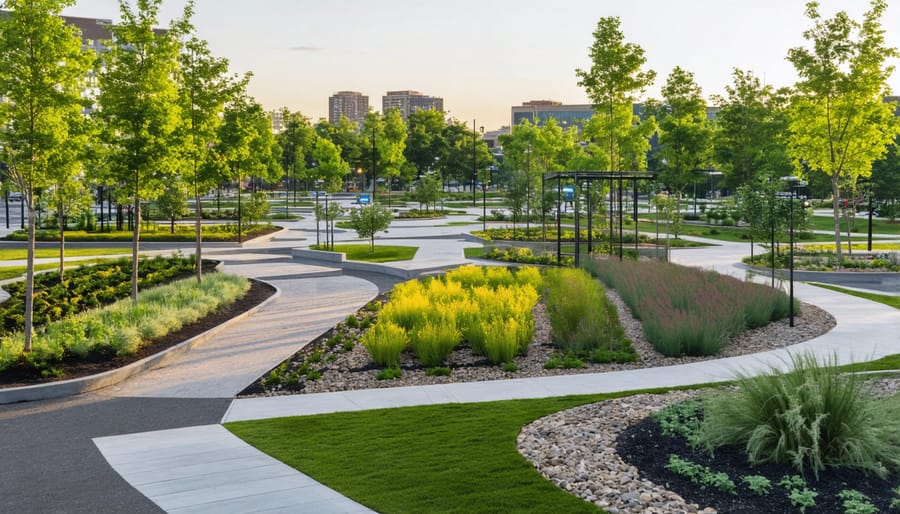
(350, 370)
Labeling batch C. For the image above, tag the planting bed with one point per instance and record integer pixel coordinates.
(346, 365)
(72, 368)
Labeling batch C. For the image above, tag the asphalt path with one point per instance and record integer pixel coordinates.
(50, 464)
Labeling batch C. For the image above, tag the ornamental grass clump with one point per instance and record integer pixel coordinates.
(686, 311)
(811, 417)
(470, 303)
(385, 342)
(581, 318)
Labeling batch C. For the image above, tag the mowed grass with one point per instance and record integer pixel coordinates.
(438, 458)
(889, 300)
(9, 272)
(858, 224)
(11, 254)
(363, 252)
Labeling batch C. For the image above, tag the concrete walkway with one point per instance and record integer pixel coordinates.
(206, 469)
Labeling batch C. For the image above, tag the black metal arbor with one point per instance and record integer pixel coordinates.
(588, 178)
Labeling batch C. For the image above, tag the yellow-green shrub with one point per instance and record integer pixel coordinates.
(385, 342)
(433, 341)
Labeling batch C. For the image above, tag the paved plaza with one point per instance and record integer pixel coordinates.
(154, 443)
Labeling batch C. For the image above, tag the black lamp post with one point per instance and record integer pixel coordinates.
(793, 184)
(374, 158)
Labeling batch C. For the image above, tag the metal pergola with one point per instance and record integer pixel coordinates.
(615, 178)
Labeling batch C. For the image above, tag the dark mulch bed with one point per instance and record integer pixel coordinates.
(72, 368)
(644, 446)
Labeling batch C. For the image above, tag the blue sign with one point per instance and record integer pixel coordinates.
(569, 193)
(363, 199)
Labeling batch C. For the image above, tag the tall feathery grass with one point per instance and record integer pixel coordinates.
(811, 417)
(687, 311)
(581, 318)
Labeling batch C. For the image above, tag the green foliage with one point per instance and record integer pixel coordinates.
(526, 256)
(438, 372)
(811, 417)
(757, 484)
(369, 220)
(121, 328)
(581, 317)
(686, 311)
(855, 502)
(680, 419)
(389, 373)
(510, 367)
(433, 341)
(385, 341)
(701, 475)
(256, 208)
(84, 288)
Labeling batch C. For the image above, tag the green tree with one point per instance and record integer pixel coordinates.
(204, 88)
(42, 69)
(750, 139)
(886, 181)
(172, 203)
(369, 220)
(139, 103)
(371, 154)
(330, 167)
(391, 147)
(685, 134)
(612, 83)
(297, 141)
(428, 190)
(346, 137)
(839, 124)
(246, 145)
(425, 140)
(257, 207)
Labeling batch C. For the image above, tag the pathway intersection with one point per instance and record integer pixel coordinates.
(155, 442)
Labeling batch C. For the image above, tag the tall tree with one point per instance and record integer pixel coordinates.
(425, 139)
(392, 146)
(204, 88)
(42, 69)
(330, 167)
(750, 139)
(613, 82)
(139, 103)
(297, 141)
(246, 145)
(886, 182)
(839, 124)
(685, 134)
(372, 161)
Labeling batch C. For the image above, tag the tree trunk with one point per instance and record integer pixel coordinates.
(62, 241)
(199, 234)
(836, 211)
(134, 247)
(29, 275)
(849, 230)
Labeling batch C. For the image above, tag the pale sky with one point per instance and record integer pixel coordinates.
(484, 56)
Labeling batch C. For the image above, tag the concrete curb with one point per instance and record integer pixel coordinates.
(339, 260)
(81, 385)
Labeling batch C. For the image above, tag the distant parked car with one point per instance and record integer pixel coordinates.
(15, 196)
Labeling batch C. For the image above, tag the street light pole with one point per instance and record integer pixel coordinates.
(474, 166)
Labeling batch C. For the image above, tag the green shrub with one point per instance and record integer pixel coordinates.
(433, 342)
(385, 342)
(438, 372)
(811, 417)
(500, 343)
(855, 502)
(389, 373)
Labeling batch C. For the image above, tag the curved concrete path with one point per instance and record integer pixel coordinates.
(203, 468)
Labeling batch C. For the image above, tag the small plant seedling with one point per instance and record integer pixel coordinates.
(803, 498)
(331, 357)
(389, 374)
(572, 362)
(510, 367)
(701, 475)
(313, 375)
(553, 363)
(438, 372)
(348, 346)
(315, 356)
(792, 482)
(758, 484)
(856, 502)
(352, 321)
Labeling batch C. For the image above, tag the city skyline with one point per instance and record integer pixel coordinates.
(484, 58)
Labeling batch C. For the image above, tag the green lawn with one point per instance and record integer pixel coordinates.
(154, 232)
(385, 253)
(473, 252)
(859, 224)
(439, 458)
(11, 254)
(730, 234)
(889, 300)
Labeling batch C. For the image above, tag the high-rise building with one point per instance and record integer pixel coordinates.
(350, 104)
(408, 102)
